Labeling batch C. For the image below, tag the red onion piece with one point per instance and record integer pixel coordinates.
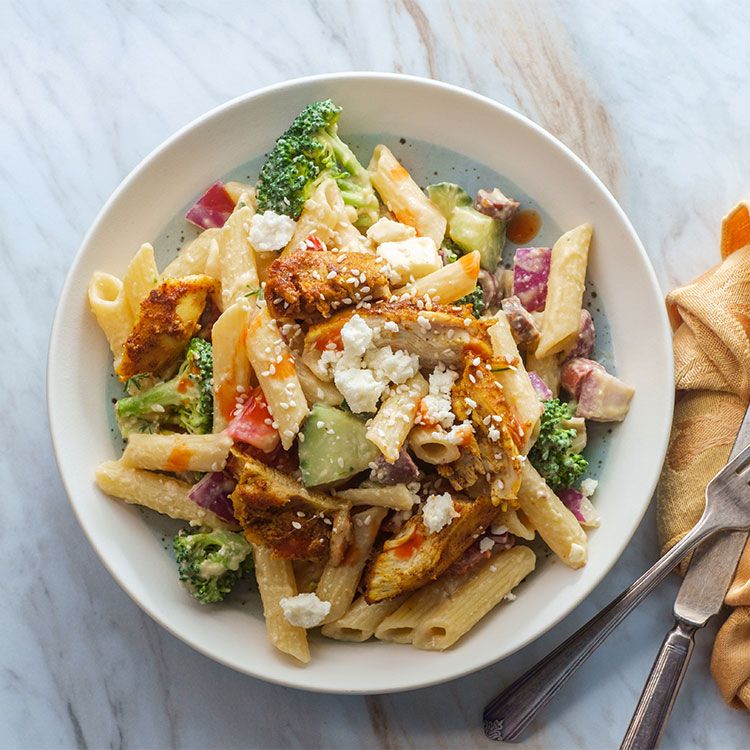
(212, 492)
(541, 388)
(212, 209)
(530, 274)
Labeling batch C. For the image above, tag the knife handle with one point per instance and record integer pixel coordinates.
(657, 699)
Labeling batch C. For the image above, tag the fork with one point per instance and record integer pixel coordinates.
(727, 507)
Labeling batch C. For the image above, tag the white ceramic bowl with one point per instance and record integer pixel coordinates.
(481, 129)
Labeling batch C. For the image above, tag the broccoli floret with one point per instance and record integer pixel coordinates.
(475, 299)
(184, 402)
(211, 562)
(552, 455)
(307, 153)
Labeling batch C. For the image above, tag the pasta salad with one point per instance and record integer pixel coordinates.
(345, 394)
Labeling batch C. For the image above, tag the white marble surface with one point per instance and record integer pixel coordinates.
(654, 95)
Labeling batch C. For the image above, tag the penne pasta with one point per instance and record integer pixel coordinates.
(192, 258)
(338, 584)
(113, 314)
(556, 525)
(239, 274)
(516, 522)
(547, 368)
(276, 371)
(389, 428)
(275, 579)
(482, 589)
(432, 445)
(360, 621)
(395, 496)
(177, 453)
(448, 284)
(141, 277)
(165, 495)
(316, 391)
(404, 197)
(230, 363)
(567, 278)
(510, 372)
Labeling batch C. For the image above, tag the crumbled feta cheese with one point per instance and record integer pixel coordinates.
(486, 544)
(391, 325)
(510, 596)
(396, 366)
(493, 434)
(387, 230)
(360, 388)
(411, 258)
(356, 336)
(459, 434)
(271, 231)
(436, 405)
(499, 529)
(304, 610)
(588, 487)
(438, 512)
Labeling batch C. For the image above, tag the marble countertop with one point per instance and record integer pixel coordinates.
(652, 95)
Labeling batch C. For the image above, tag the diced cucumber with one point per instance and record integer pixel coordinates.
(468, 228)
(334, 446)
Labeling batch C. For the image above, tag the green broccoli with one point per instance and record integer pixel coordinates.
(307, 153)
(211, 562)
(184, 402)
(552, 455)
(475, 299)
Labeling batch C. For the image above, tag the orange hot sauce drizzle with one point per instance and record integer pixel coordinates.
(178, 459)
(410, 546)
(524, 226)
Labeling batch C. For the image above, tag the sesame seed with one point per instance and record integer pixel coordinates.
(296, 524)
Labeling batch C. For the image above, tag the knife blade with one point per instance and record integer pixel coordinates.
(714, 563)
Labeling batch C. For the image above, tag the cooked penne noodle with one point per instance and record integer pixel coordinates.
(338, 584)
(449, 283)
(231, 363)
(275, 579)
(433, 445)
(404, 197)
(141, 277)
(515, 521)
(519, 391)
(241, 192)
(316, 391)
(555, 523)
(359, 622)
(484, 588)
(110, 306)
(177, 453)
(213, 259)
(579, 425)
(567, 279)
(163, 494)
(389, 428)
(239, 275)
(275, 369)
(395, 496)
(547, 368)
(192, 258)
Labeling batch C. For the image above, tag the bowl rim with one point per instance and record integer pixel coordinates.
(664, 333)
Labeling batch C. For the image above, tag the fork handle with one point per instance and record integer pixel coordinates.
(657, 699)
(507, 715)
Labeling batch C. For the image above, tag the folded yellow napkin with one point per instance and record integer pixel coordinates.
(711, 323)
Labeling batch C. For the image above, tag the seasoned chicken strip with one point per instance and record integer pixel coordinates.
(443, 333)
(309, 284)
(277, 511)
(167, 320)
(493, 453)
(415, 556)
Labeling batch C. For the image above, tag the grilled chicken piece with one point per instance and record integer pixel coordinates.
(167, 320)
(309, 284)
(443, 333)
(278, 512)
(415, 556)
(493, 452)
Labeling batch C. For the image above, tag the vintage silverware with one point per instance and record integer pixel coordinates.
(701, 596)
(727, 507)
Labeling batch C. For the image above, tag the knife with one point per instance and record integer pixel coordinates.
(700, 597)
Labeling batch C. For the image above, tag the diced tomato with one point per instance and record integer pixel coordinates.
(313, 242)
(212, 209)
(253, 425)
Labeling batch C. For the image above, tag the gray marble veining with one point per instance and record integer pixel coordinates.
(653, 95)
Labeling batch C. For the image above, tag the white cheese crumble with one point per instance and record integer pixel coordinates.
(438, 512)
(360, 388)
(411, 258)
(271, 231)
(356, 336)
(304, 610)
(436, 405)
(396, 366)
(588, 487)
(486, 544)
(391, 325)
(387, 230)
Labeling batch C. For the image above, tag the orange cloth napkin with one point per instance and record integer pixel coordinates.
(711, 323)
